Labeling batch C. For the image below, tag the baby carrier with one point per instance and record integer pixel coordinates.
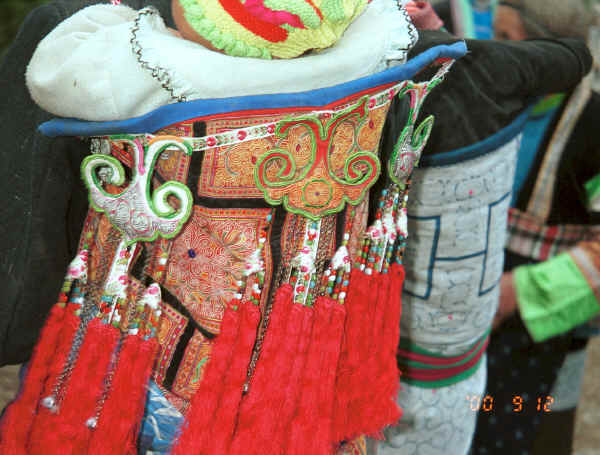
(242, 259)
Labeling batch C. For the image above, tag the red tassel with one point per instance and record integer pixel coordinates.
(227, 412)
(376, 410)
(302, 435)
(84, 389)
(257, 408)
(388, 374)
(44, 416)
(373, 312)
(346, 424)
(195, 434)
(293, 390)
(324, 442)
(66, 431)
(19, 416)
(121, 414)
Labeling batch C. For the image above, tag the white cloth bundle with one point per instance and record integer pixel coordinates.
(87, 67)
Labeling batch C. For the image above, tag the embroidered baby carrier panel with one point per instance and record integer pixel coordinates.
(234, 224)
(206, 261)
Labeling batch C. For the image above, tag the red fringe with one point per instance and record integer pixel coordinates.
(346, 425)
(69, 432)
(324, 442)
(257, 407)
(375, 410)
(303, 429)
(227, 412)
(388, 372)
(195, 431)
(118, 425)
(293, 390)
(19, 416)
(44, 418)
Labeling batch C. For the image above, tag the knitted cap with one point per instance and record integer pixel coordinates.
(555, 17)
(267, 28)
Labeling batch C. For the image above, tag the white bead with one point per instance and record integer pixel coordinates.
(238, 296)
(162, 261)
(342, 295)
(91, 423)
(49, 402)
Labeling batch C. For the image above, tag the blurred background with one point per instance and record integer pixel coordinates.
(12, 13)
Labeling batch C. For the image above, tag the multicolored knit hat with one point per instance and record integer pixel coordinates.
(265, 28)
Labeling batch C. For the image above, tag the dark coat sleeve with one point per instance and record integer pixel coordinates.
(45, 201)
(487, 88)
(37, 180)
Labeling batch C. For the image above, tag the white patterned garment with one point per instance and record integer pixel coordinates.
(435, 421)
(454, 259)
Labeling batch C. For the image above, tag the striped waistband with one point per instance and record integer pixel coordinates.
(426, 369)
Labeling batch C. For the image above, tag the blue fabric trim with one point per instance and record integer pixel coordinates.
(480, 148)
(174, 113)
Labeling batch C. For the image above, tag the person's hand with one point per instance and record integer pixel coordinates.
(508, 24)
(508, 300)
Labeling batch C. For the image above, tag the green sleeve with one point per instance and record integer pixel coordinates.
(553, 297)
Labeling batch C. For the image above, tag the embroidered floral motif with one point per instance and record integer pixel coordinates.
(223, 240)
(139, 215)
(317, 189)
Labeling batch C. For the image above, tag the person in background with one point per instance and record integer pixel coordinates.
(457, 215)
(549, 293)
